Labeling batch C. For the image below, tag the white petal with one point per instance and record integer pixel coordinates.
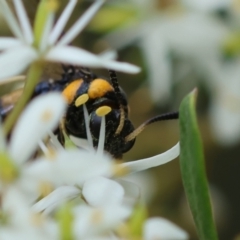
(78, 56)
(12, 234)
(81, 142)
(15, 204)
(73, 55)
(100, 191)
(40, 116)
(225, 121)
(29, 185)
(109, 54)
(90, 222)
(29, 232)
(81, 23)
(70, 167)
(160, 228)
(77, 166)
(21, 224)
(16, 60)
(101, 142)
(55, 198)
(34, 175)
(8, 42)
(11, 20)
(225, 104)
(132, 192)
(120, 66)
(61, 22)
(207, 6)
(143, 164)
(24, 21)
(156, 52)
(55, 141)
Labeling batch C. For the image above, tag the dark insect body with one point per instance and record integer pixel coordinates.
(81, 87)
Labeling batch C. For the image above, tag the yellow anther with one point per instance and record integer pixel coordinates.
(102, 111)
(97, 216)
(119, 170)
(37, 219)
(45, 189)
(51, 154)
(47, 116)
(81, 100)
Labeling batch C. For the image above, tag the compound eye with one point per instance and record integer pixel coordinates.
(128, 145)
(95, 124)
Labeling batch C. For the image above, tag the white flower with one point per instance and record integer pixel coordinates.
(20, 51)
(22, 223)
(160, 228)
(90, 176)
(225, 105)
(60, 170)
(90, 222)
(56, 198)
(100, 191)
(40, 116)
(72, 166)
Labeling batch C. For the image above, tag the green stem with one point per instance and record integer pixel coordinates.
(33, 76)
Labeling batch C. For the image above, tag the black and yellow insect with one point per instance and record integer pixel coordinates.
(80, 86)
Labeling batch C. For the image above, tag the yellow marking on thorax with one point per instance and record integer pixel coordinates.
(70, 91)
(98, 88)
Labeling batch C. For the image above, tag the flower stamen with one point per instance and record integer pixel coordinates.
(45, 188)
(101, 140)
(48, 151)
(47, 116)
(81, 100)
(97, 216)
(104, 110)
(120, 170)
(87, 120)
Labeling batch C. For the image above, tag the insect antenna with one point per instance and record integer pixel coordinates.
(162, 117)
(113, 78)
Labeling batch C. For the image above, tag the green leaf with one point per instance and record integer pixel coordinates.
(193, 170)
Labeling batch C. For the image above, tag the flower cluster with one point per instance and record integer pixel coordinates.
(45, 42)
(99, 201)
(48, 192)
